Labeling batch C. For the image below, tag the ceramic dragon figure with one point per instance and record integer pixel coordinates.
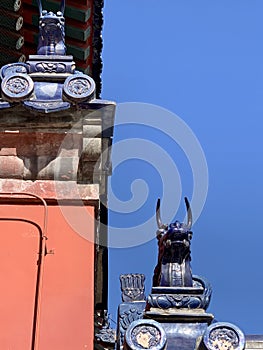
(51, 39)
(174, 256)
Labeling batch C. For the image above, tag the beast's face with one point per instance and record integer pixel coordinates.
(51, 36)
(178, 234)
(51, 23)
(176, 243)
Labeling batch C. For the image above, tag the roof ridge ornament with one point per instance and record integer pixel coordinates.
(48, 82)
(51, 39)
(174, 250)
(174, 286)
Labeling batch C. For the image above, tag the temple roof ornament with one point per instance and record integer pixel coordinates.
(223, 335)
(20, 27)
(51, 39)
(174, 256)
(48, 81)
(47, 94)
(174, 315)
(132, 286)
(145, 334)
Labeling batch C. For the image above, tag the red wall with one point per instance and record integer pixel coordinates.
(66, 298)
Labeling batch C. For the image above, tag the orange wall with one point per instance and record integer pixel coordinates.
(66, 300)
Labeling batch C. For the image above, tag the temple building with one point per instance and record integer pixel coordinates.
(55, 137)
(55, 160)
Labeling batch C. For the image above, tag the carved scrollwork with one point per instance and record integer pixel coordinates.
(50, 67)
(14, 68)
(205, 284)
(145, 334)
(196, 297)
(167, 301)
(222, 335)
(126, 318)
(17, 87)
(79, 88)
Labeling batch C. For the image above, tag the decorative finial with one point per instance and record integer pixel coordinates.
(51, 40)
(174, 286)
(132, 287)
(173, 267)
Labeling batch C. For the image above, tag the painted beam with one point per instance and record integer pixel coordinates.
(9, 56)
(11, 5)
(14, 41)
(74, 29)
(11, 20)
(80, 13)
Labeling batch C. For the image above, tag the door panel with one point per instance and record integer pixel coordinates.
(66, 287)
(67, 302)
(19, 242)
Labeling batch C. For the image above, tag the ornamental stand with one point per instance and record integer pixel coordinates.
(54, 163)
(174, 315)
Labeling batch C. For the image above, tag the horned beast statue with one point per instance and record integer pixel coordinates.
(173, 268)
(51, 39)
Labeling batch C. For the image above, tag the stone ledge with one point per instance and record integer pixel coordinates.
(53, 190)
(22, 119)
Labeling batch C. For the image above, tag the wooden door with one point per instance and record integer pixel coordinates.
(45, 303)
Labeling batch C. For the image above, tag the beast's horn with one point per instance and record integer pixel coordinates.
(39, 6)
(62, 6)
(189, 214)
(158, 215)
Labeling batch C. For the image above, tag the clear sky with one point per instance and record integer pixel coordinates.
(199, 61)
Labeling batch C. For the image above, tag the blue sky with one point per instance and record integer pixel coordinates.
(202, 61)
